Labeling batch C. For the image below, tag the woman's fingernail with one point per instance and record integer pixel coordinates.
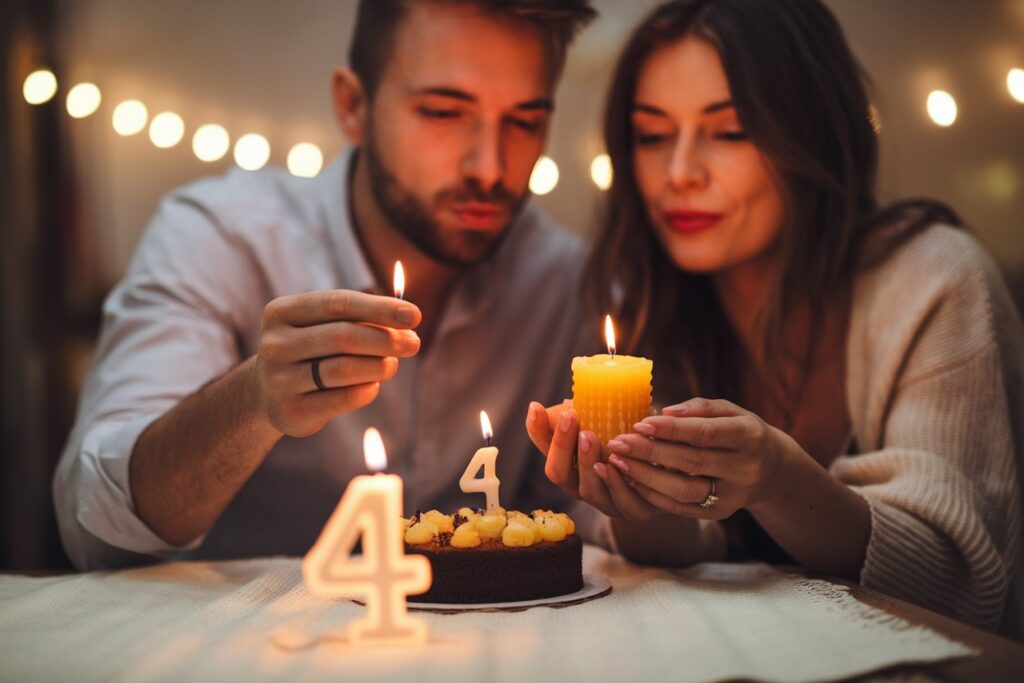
(644, 428)
(532, 412)
(619, 446)
(618, 462)
(599, 467)
(584, 443)
(564, 421)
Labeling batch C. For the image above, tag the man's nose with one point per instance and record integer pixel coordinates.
(686, 168)
(484, 161)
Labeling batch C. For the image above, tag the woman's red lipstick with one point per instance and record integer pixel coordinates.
(689, 222)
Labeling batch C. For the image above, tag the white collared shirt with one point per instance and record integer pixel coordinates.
(189, 309)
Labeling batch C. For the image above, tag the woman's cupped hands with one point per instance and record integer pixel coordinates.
(704, 458)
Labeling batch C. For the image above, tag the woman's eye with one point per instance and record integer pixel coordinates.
(648, 139)
(732, 136)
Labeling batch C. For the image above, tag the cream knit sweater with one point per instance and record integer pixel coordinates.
(935, 389)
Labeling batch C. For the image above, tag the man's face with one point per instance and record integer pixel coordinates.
(455, 127)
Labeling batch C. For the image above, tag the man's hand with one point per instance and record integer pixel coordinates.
(358, 339)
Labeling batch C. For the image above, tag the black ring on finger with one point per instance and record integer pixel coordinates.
(314, 366)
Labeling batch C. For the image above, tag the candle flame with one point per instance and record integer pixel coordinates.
(485, 426)
(399, 280)
(373, 450)
(609, 334)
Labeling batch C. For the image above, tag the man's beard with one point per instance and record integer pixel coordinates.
(415, 221)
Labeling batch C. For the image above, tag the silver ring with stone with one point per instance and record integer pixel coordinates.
(709, 502)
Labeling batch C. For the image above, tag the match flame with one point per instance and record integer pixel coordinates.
(399, 280)
(609, 334)
(373, 450)
(485, 426)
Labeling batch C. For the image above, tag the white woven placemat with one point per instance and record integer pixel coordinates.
(254, 620)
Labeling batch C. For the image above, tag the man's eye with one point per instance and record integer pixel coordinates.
(528, 126)
(732, 136)
(431, 113)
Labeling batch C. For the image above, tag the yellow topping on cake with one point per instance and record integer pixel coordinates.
(465, 536)
(566, 520)
(421, 532)
(551, 529)
(442, 522)
(517, 535)
(529, 524)
(490, 526)
(513, 527)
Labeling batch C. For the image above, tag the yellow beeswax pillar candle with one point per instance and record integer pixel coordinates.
(611, 392)
(370, 511)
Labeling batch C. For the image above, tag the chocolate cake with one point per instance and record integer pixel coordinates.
(501, 557)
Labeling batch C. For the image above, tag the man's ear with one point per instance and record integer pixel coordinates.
(350, 104)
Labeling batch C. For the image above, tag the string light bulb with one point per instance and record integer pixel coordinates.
(305, 160)
(39, 87)
(83, 100)
(166, 130)
(210, 142)
(252, 151)
(942, 108)
(544, 177)
(130, 117)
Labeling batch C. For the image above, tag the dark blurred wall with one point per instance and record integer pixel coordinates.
(37, 396)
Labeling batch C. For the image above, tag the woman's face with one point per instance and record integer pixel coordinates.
(708, 190)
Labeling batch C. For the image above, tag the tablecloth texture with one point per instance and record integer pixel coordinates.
(255, 620)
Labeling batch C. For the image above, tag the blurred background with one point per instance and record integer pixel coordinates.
(81, 172)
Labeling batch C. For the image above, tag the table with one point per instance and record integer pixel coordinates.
(198, 621)
(1000, 659)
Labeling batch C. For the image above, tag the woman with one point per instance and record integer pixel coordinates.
(857, 370)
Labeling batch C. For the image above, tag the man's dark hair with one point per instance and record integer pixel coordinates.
(378, 20)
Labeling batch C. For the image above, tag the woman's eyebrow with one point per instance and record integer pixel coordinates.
(709, 109)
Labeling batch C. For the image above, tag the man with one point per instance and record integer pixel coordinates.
(254, 337)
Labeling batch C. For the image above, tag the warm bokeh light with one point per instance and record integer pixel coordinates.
(166, 129)
(875, 119)
(210, 142)
(609, 334)
(544, 177)
(130, 117)
(1015, 84)
(399, 280)
(601, 171)
(252, 151)
(373, 450)
(83, 100)
(305, 160)
(942, 108)
(40, 86)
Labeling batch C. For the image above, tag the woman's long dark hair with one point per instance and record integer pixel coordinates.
(801, 99)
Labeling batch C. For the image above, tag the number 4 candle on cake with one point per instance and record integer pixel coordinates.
(483, 459)
(611, 393)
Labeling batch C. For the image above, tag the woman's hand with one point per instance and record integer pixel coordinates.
(674, 458)
(575, 464)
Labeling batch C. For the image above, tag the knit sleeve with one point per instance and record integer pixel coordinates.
(940, 469)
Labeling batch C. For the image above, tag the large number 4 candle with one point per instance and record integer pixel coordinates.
(384, 575)
(483, 459)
